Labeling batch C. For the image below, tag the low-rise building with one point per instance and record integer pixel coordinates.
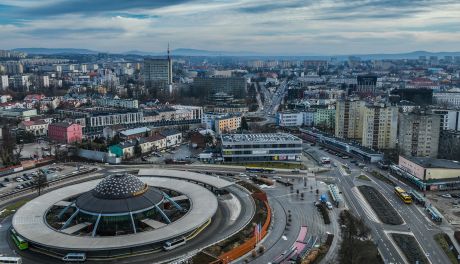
(117, 102)
(289, 119)
(173, 137)
(135, 133)
(430, 173)
(227, 124)
(325, 117)
(18, 113)
(153, 143)
(64, 132)
(38, 127)
(261, 147)
(124, 150)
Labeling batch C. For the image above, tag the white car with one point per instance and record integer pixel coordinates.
(329, 205)
(242, 174)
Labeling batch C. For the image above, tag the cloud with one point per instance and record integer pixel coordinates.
(62, 7)
(266, 26)
(271, 7)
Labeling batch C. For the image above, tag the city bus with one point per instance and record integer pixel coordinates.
(172, 244)
(259, 170)
(10, 260)
(20, 242)
(403, 195)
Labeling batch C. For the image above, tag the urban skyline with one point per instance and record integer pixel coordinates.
(263, 27)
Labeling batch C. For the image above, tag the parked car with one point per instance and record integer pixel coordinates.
(329, 205)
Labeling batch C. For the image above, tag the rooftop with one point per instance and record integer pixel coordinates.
(203, 207)
(135, 131)
(259, 138)
(170, 132)
(435, 163)
(61, 124)
(119, 193)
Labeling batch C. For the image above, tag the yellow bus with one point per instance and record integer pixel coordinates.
(405, 197)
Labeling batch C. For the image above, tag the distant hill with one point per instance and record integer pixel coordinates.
(50, 51)
(408, 55)
(209, 53)
(194, 52)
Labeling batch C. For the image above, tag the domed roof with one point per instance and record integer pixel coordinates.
(119, 186)
(119, 194)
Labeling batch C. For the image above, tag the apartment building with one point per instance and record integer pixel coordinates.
(380, 126)
(349, 119)
(419, 134)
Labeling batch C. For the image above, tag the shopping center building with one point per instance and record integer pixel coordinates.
(261, 147)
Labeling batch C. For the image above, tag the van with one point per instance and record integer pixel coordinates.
(10, 260)
(74, 257)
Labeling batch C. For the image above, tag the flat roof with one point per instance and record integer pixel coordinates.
(134, 131)
(435, 163)
(259, 138)
(29, 220)
(213, 181)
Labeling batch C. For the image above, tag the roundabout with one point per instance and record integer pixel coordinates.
(120, 212)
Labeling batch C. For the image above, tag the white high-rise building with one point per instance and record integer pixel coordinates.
(4, 82)
(45, 81)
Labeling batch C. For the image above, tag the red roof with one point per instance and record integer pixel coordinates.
(34, 97)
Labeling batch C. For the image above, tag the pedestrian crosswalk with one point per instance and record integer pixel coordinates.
(364, 205)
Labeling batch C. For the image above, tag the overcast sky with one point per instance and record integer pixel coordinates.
(283, 27)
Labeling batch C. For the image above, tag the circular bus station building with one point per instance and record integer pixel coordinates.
(121, 214)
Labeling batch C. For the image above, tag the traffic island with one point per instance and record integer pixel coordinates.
(363, 177)
(244, 241)
(356, 245)
(385, 212)
(382, 178)
(447, 246)
(409, 246)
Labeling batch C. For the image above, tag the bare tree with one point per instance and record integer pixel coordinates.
(41, 182)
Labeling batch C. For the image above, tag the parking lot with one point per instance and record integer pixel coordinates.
(24, 179)
(448, 204)
(183, 152)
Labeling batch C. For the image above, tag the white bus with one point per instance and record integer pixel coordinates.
(172, 244)
(10, 260)
(74, 257)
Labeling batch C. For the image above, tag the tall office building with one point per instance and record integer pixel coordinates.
(158, 73)
(235, 86)
(380, 126)
(419, 134)
(366, 84)
(349, 119)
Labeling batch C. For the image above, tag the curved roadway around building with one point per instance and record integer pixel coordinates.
(29, 220)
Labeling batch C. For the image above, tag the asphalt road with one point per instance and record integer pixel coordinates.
(220, 228)
(282, 200)
(416, 222)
